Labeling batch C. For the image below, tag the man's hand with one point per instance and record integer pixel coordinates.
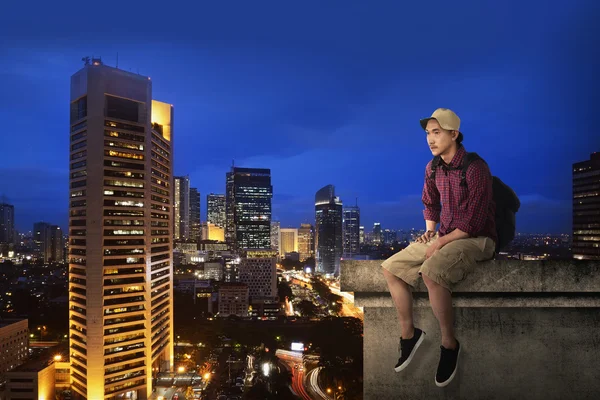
(435, 245)
(426, 237)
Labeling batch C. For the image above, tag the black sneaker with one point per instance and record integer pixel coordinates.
(408, 347)
(447, 366)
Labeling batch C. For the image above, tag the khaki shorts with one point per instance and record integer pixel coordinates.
(446, 266)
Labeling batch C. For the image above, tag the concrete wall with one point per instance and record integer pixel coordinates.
(528, 329)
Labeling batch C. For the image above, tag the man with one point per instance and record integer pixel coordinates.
(466, 235)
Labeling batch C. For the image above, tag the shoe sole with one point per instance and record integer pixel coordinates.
(447, 381)
(409, 359)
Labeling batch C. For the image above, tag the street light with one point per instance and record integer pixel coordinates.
(57, 357)
(181, 370)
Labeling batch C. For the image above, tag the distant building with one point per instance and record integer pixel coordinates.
(258, 270)
(275, 235)
(233, 299)
(215, 210)
(194, 215)
(7, 223)
(586, 209)
(351, 226)
(306, 241)
(213, 270)
(49, 242)
(181, 207)
(377, 237)
(211, 231)
(328, 231)
(14, 343)
(248, 208)
(361, 235)
(288, 241)
(389, 236)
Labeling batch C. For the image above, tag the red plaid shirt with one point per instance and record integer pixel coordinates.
(470, 209)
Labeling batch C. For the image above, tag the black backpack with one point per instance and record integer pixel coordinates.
(507, 202)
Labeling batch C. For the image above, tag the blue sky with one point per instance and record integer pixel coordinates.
(320, 94)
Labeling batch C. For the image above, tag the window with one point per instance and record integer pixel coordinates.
(122, 154)
(79, 155)
(78, 136)
(123, 193)
(79, 109)
(78, 164)
(123, 145)
(78, 203)
(79, 126)
(124, 203)
(78, 184)
(122, 135)
(79, 145)
(123, 184)
(78, 193)
(78, 174)
(120, 164)
(123, 174)
(128, 110)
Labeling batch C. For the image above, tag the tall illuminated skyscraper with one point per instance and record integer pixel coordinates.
(215, 209)
(248, 208)
(288, 241)
(586, 209)
(351, 224)
(120, 230)
(194, 215)
(275, 235)
(181, 208)
(328, 231)
(306, 241)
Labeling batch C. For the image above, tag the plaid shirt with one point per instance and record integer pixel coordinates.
(470, 209)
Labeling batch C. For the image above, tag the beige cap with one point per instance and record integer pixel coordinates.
(445, 117)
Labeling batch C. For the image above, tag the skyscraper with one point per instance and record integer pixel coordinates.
(328, 231)
(194, 214)
(586, 209)
(351, 222)
(48, 242)
(361, 234)
(215, 209)
(7, 223)
(248, 208)
(377, 233)
(288, 241)
(181, 208)
(120, 272)
(306, 241)
(275, 228)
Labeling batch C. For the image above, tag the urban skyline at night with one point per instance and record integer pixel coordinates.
(336, 104)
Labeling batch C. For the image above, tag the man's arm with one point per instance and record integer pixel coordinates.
(431, 201)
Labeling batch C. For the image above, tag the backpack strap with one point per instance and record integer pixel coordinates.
(469, 158)
(434, 165)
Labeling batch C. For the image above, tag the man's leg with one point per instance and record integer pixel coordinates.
(441, 304)
(402, 297)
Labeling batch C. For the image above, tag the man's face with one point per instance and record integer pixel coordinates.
(439, 140)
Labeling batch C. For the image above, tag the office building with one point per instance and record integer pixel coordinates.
(213, 270)
(121, 230)
(288, 241)
(233, 299)
(351, 223)
(248, 208)
(14, 343)
(258, 270)
(377, 236)
(212, 232)
(275, 235)
(48, 242)
(7, 223)
(306, 241)
(361, 235)
(215, 210)
(328, 231)
(195, 231)
(181, 207)
(586, 209)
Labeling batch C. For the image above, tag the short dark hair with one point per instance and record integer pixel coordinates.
(459, 139)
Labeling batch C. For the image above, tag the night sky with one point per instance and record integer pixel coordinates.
(320, 94)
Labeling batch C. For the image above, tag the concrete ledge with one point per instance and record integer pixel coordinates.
(528, 329)
(504, 276)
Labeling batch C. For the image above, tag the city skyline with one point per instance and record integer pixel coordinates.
(346, 96)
